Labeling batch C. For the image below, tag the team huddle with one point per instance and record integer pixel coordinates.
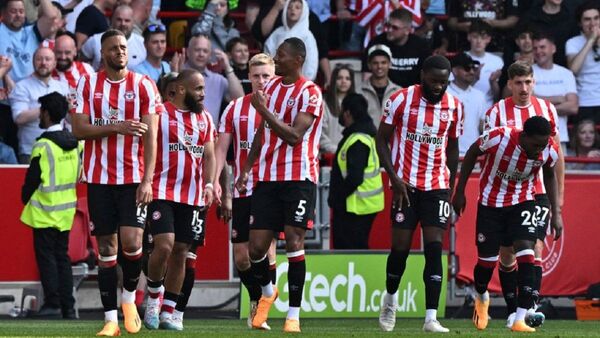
(160, 165)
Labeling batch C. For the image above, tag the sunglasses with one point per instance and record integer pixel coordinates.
(157, 28)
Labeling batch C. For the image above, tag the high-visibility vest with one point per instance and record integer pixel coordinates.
(368, 198)
(52, 205)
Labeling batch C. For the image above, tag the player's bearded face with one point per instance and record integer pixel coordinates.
(193, 102)
(115, 52)
(434, 84)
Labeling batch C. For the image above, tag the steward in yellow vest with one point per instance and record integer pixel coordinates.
(356, 188)
(50, 197)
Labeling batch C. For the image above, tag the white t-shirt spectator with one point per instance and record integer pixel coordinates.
(136, 52)
(25, 96)
(489, 64)
(474, 112)
(588, 78)
(71, 18)
(557, 81)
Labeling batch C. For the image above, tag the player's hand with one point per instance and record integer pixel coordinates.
(208, 196)
(459, 202)
(218, 191)
(240, 184)
(400, 192)
(557, 226)
(259, 101)
(132, 127)
(143, 194)
(224, 211)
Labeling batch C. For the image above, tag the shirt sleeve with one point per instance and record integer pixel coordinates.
(571, 47)
(150, 99)
(491, 118)
(489, 139)
(391, 114)
(553, 118)
(19, 99)
(226, 123)
(311, 101)
(81, 104)
(88, 48)
(552, 151)
(458, 120)
(211, 132)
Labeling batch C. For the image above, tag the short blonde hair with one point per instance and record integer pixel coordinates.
(261, 59)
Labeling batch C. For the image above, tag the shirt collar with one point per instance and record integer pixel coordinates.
(55, 127)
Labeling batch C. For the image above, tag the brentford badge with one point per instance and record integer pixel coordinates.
(251, 220)
(156, 215)
(290, 102)
(444, 116)
(399, 217)
(202, 126)
(92, 226)
(234, 233)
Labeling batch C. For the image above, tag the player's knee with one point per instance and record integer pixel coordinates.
(241, 260)
(507, 257)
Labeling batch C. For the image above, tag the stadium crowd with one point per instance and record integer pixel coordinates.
(213, 64)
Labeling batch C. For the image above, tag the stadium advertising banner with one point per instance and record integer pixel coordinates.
(351, 285)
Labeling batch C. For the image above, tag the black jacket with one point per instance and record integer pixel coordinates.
(358, 158)
(33, 178)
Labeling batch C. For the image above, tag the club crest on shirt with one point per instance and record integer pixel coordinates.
(129, 96)
(291, 102)
(444, 116)
(202, 125)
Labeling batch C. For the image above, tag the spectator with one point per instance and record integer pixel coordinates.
(295, 24)
(141, 15)
(68, 69)
(217, 87)
(155, 43)
(92, 20)
(378, 88)
(491, 65)
(8, 129)
(524, 42)
(356, 194)
(342, 85)
(585, 143)
(583, 58)
(237, 51)
(408, 50)
(20, 41)
(216, 23)
(432, 30)
(59, 24)
(461, 87)
(7, 154)
(270, 18)
(24, 100)
(50, 197)
(545, 16)
(554, 83)
(121, 20)
(501, 15)
(77, 7)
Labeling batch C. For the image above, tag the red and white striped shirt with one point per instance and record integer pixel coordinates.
(421, 135)
(241, 120)
(374, 13)
(279, 161)
(73, 74)
(508, 175)
(115, 159)
(506, 114)
(182, 136)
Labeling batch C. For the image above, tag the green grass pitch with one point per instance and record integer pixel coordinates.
(310, 328)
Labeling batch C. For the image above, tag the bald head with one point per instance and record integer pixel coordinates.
(44, 62)
(122, 19)
(65, 51)
(198, 52)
